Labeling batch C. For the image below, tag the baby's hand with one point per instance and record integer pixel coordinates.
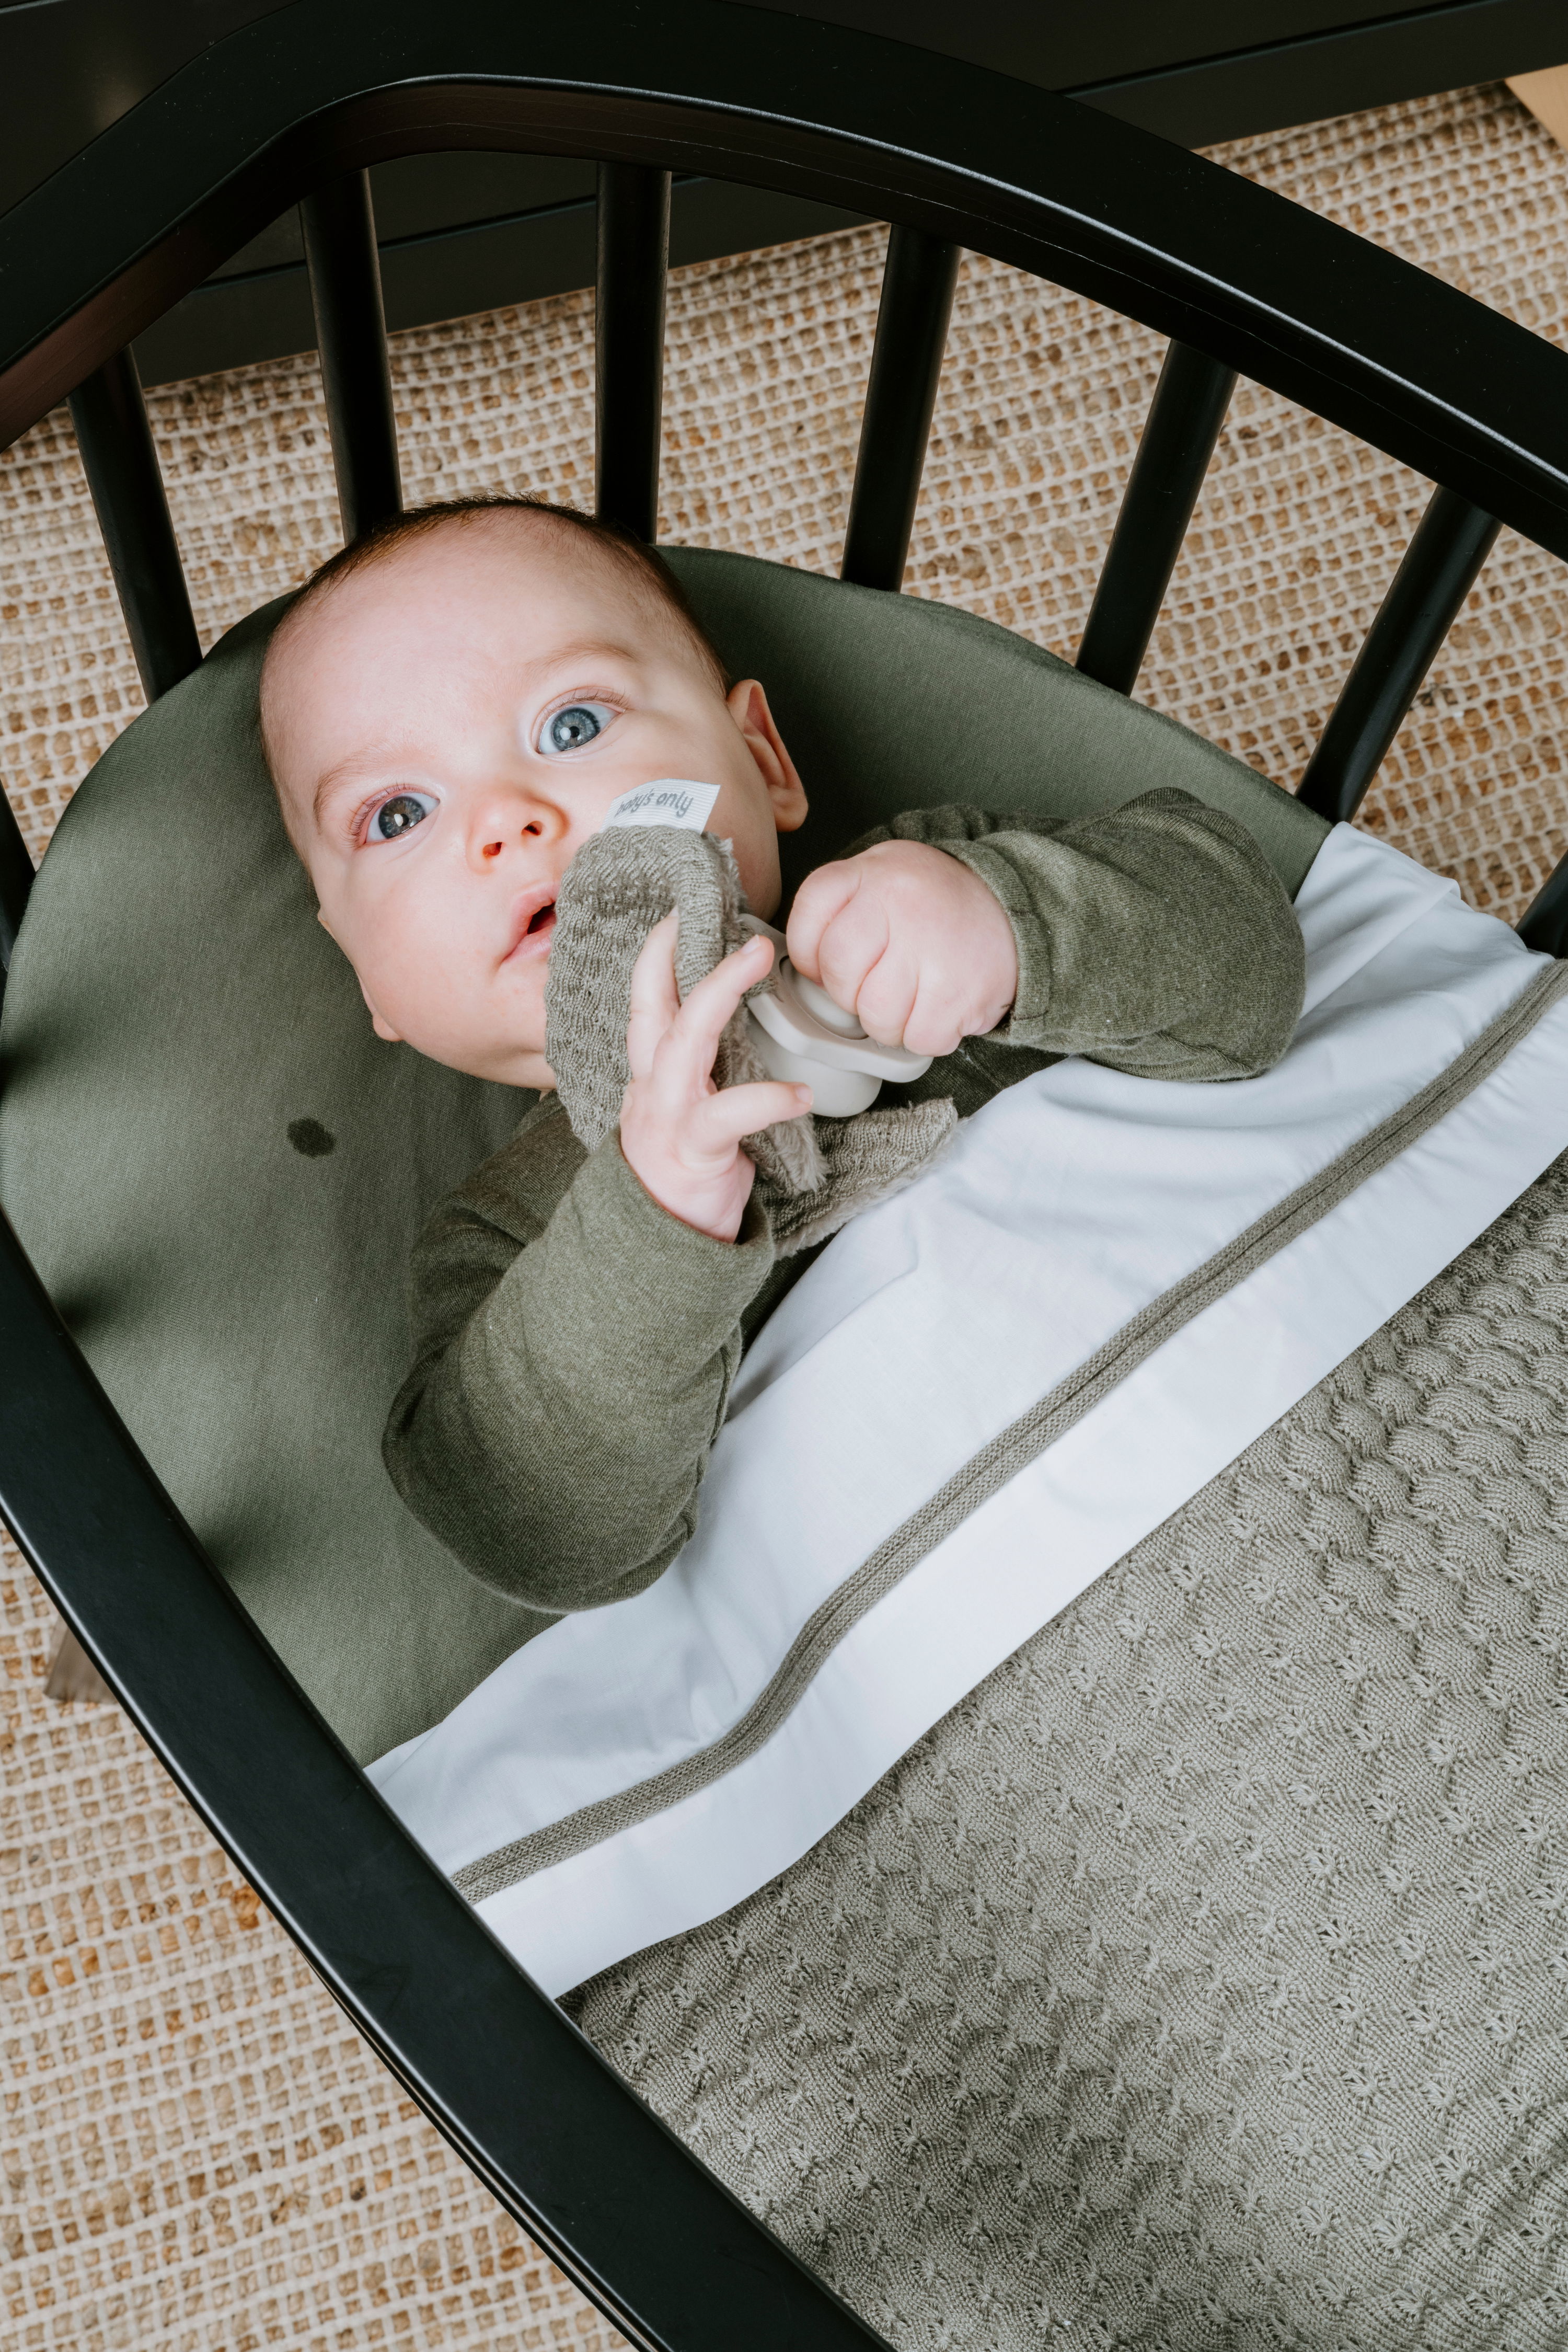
(910, 942)
(680, 1134)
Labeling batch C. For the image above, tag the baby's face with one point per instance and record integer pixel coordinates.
(449, 726)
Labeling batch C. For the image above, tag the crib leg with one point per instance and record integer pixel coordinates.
(1179, 433)
(121, 466)
(339, 229)
(1452, 540)
(629, 345)
(919, 280)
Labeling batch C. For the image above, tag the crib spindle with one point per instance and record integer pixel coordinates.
(340, 228)
(918, 282)
(629, 345)
(122, 467)
(15, 881)
(1439, 568)
(1179, 433)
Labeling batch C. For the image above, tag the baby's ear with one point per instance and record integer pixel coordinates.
(786, 793)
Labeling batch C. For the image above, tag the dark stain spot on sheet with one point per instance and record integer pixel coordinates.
(309, 1136)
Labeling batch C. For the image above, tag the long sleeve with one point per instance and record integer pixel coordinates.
(576, 1345)
(1154, 937)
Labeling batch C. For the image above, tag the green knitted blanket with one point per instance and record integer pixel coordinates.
(1202, 1980)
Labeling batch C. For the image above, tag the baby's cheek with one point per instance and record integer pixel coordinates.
(523, 1018)
(413, 993)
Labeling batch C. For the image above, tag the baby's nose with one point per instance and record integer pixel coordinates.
(492, 849)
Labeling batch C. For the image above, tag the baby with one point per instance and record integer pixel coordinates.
(449, 710)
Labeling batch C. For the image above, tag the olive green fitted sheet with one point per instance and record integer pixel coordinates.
(891, 702)
(219, 1171)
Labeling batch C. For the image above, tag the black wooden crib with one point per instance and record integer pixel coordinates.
(296, 108)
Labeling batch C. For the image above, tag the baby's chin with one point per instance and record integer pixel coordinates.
(498, 1066)
(497, 1034)
(493, 1055)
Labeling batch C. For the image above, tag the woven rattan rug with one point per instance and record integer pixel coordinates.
(199, 2154)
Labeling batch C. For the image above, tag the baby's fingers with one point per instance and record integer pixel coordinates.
(720, 1121)
(695, 1033)
(820, 899)
(656, 999)
(886, 997)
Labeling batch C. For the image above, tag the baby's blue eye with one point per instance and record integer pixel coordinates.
(578, 724)
(400, 815)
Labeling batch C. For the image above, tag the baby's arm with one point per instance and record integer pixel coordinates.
(576, 1344)
(1154, 937)
(580, 1316)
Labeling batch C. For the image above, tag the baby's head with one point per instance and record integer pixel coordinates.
(449, 710)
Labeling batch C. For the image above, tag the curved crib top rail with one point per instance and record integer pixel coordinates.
(295, 106)
(1363, 338)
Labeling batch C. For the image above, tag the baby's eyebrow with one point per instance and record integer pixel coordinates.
(588, 650)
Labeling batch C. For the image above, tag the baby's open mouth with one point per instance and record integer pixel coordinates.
(535, 923)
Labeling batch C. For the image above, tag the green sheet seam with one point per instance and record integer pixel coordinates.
(1011, 1451)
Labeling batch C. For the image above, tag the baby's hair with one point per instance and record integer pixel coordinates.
(645, 566)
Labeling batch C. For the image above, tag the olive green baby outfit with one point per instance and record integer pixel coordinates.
(575, 1343)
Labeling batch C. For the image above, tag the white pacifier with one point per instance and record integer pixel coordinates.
(802, 1035)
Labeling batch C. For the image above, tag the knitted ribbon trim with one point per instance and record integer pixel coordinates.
(1011, 1451)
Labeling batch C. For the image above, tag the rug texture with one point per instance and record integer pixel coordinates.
(199, 2155)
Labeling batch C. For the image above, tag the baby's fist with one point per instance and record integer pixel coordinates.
(909, 941)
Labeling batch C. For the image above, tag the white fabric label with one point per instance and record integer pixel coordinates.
(668, 800)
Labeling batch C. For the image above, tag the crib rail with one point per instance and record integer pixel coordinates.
(121, 466)
(919, 279)
(629, 343)
(1179, 433)
(1437, 573)
(340, 228)
(294, 108)
(15, 883)
(661, 2248)
(1241, 280)
(969, 157)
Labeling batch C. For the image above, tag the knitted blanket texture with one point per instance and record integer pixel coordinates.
(812, 1174)
(1202, 1980)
